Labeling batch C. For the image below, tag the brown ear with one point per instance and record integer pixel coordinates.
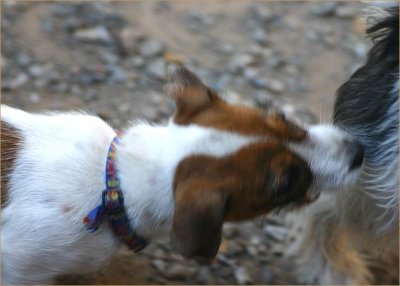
(188, 91)
(197, 222)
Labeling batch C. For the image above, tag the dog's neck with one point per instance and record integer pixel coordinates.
(147, 157)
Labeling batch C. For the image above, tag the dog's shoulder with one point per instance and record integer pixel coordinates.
(55, 126)
(58, 147)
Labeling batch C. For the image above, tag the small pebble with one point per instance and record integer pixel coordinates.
(151, 48)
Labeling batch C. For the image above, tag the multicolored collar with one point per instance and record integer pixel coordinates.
(112, 207)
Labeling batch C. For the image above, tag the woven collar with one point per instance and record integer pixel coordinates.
(113, 208)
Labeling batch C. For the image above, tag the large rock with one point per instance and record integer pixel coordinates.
(130, 40)
(156, 68)
(98, 35)
(276, 86)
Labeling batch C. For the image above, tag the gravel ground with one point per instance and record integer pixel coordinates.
(109, 58)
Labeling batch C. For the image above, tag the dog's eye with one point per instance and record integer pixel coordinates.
(228, 205)
(280, 115)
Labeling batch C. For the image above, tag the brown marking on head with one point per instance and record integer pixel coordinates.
(197, 104)
(10, 145)
(253, 181)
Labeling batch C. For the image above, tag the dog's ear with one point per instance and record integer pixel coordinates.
(197, 222)
(188, 91)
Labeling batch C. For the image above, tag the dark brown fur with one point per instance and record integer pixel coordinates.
(201, 106)
(250, 182)
(197, 104)
(10, 144)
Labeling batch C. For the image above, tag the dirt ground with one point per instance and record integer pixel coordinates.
(108, 58)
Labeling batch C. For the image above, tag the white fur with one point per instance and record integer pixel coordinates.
(325, 151)
(59, 176)
(61, 166)
(147, 159)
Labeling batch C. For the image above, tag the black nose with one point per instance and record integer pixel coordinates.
(358, 156)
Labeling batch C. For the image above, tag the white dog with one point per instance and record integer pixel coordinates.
(212, 162)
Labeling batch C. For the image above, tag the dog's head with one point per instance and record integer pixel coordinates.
(277, 164)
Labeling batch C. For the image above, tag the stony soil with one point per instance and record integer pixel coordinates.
(109, 58)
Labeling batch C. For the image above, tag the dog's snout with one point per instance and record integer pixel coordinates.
(357, 153)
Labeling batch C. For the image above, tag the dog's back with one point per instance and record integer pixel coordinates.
(49, 173)
(68, 141)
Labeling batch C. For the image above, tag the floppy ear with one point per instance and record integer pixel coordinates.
(197, 222)
(188, 91)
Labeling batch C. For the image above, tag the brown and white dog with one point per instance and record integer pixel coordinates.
(213, 162)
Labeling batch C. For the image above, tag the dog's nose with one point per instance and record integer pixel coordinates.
(358, 155)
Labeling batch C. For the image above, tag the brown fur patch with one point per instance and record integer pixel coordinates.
(347, 259)
(376, 264)
(197, 104)
(386, 269)
(250, 182)
(10, 144)
(216, 113)
(384, 259)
